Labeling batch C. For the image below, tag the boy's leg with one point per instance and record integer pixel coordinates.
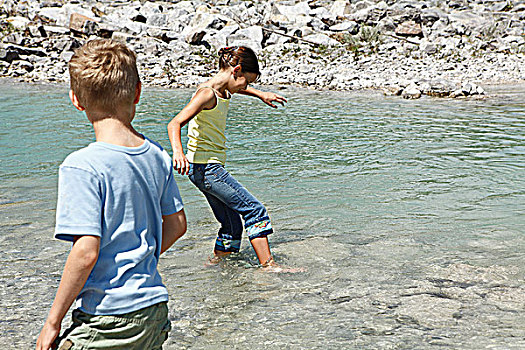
(143, 329)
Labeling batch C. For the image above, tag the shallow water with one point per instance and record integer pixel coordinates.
(408, 216)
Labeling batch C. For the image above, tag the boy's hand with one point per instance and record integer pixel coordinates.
(270, 97)
(47, 337)
(181, 163)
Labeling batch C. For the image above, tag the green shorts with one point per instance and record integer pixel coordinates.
(143, 329)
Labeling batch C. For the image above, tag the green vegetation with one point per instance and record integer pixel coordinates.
(6, 28)
(366, 41)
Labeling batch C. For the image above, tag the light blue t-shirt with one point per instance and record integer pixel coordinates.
(118, 194)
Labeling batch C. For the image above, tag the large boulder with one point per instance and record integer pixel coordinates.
(201, 24)
(220, 38)
(251, 37)
(409, 28)
(81, 24)
(18, 22)
(298, 14)
(341, 8)
(350, 27)
(322, 39)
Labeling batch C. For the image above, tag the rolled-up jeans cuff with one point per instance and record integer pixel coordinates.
(259, 229)
(227, 245)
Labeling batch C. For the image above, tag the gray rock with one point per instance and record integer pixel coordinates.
(322, 39)
(122, 37)
(66, 56)
(392, 91)
(25, 51)
(341, 8)
(18, 22)
(55, 30)
(501, 6)
(430, 16)
(201, 24)
(150, 8)
(322, 13)
(409, 28)
(291, 12)
(50, 14)
(68, 9)
(14, 38)
(411, 92)
(81, 24)
(251, 37)
(8, 55)
(428, 47)
(220, 38)
(458, 93)
(348, 26)
(36, 31)
(26, 65)
(361, 5)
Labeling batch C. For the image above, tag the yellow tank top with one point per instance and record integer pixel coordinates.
(206, 133)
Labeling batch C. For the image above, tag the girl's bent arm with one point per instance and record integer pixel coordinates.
(203, 99)
(266, 97)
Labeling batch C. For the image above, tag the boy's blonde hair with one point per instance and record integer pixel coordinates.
(104, 75)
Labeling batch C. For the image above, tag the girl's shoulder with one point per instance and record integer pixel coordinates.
(206, 96)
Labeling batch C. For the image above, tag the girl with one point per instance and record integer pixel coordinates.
(204, 162)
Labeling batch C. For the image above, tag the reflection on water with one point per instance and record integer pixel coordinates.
(408, 216)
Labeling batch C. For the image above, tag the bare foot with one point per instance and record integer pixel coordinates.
(272, 266)
(216, 258)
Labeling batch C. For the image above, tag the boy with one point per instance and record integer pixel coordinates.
(120, 206)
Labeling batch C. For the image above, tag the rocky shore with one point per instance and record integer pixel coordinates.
(409, 48)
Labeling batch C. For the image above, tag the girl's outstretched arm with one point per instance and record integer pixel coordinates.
(203, 99)
(267, 97)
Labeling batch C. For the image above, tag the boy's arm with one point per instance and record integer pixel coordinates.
(265, 96)
(173, 228)
(80, 262)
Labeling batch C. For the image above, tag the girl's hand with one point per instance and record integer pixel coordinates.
(270, 97)
(181, 163)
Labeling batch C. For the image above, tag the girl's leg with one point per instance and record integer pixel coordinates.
(230, 233)
(224, 187)
(262, 249)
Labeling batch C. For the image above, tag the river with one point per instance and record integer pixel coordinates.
(408, 216)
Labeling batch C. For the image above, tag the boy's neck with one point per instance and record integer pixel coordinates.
(114, 131)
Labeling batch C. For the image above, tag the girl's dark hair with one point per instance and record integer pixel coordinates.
(234, 55)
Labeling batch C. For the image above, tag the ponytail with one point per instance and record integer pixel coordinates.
(232, 56)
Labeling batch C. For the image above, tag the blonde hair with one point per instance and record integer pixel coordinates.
(103, 75)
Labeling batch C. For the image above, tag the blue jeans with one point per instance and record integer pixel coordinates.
(230, 201)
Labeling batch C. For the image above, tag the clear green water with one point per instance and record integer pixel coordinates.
(408, 216)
